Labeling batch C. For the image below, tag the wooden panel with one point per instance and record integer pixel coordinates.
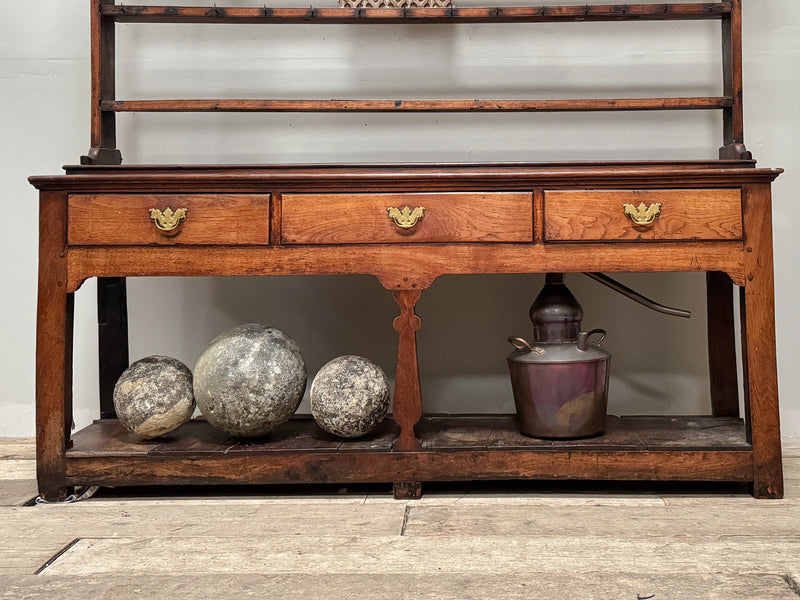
(595, 215)
(443, 465)
(391, 264)
(449, 217)
(124, 219)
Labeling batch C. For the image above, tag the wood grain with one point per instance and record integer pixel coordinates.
(112, 339)
(632, 521)
(124, 219)
(759, 331)
(533, 14)
(679, 464)
(733, 116)
(455, 448)
(53, 334)
(593, 215)
(405, 266)
(449, 217)
(721, 346)
(409, 105)
(450, 585)
(103, 148)
(407, 398)
(406, 177)
(390, 554)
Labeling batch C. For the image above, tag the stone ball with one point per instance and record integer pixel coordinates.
(349, 396)
(154, 396)
(250, 380)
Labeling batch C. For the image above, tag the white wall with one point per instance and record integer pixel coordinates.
(659, 363)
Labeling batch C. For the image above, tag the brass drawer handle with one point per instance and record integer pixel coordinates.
(169, 220)
(406, 218)
(642, 214)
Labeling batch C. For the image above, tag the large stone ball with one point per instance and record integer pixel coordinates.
(349, 396)
(250, 380)
(154, 396)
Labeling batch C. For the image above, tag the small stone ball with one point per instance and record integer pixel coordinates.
(154, 396)
(250, 380)
(349, 396)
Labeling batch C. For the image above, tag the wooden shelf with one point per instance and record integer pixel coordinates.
(455, 433)
(452, 448)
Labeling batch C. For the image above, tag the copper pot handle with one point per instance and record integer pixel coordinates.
(520, 344)
(583, 338)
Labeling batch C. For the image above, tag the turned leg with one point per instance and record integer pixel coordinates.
(758, 331)
(721, 346)
(53, 349)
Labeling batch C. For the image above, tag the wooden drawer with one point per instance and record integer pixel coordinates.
(448, 217)
(124, 219)
(599, 215)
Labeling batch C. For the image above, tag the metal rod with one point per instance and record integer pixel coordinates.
(637, 297)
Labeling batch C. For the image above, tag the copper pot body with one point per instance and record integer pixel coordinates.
(560, 400)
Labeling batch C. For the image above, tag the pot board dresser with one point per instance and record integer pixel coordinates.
(407, 225)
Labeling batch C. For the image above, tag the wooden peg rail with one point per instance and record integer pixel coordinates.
(588, 105)
(523, 14)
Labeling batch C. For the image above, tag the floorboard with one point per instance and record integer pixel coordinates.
(462, 541)
(399, 555)
(385, 587)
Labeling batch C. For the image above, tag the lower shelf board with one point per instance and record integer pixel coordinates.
(453, 448)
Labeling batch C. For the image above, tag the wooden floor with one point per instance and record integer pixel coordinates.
(495, 541)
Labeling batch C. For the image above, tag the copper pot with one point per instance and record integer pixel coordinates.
(560, 381)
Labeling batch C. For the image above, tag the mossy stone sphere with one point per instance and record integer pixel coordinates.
(250, 380)
(349, 396)
(154, 396)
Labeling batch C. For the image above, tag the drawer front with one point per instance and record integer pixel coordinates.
(125, 219)
(367, 219)
(600, 215)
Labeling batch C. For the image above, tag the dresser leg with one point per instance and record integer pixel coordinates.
(407, 490)
(407, 408)
(721, 346)
(758, 330)
(112, 338)
(54, 316)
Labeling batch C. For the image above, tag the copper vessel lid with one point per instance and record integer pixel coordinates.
(555, 313)
(557, 335)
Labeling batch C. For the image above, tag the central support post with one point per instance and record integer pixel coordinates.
(407, 392)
